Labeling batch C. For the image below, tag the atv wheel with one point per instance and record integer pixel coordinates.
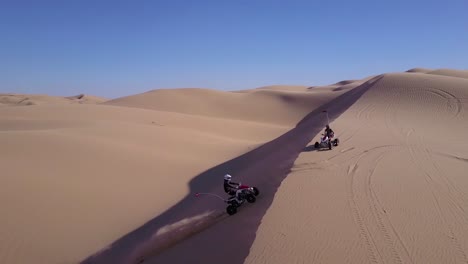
(256, 191)
(231, 209)
(317, 145)
(250, 198)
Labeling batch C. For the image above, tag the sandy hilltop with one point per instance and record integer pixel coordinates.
(96, 180)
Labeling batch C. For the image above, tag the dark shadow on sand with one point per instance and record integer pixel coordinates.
(218, 238)
(311, 148)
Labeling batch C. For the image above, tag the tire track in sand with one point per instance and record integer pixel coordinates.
(392, 238)
(457, 105)
(379, 235)
(445, 194)
(371, 247)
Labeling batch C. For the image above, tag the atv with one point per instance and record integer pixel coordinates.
(326, 142)
(247, 194)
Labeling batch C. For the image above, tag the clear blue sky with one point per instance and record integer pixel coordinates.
(118, 48)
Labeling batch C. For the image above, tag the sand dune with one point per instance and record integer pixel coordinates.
(76, 177)
(112, 181)
(345, 82)
(264, 105)
(289, 88)
(419, 70)
(272, 163)
(341, 85)
(395, 191)
(392, 192)
(39, 99)
(84, 98)
(451, 72)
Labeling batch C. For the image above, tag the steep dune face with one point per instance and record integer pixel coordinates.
(394, 191)
(264, 105)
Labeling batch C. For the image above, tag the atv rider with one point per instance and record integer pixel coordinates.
(231, 188)
(329, 132)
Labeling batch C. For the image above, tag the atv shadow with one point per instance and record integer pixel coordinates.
(311, 148)
(199, 230)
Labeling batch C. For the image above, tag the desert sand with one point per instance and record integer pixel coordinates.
(94, 180)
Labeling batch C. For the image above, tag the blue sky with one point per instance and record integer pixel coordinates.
(119, 48)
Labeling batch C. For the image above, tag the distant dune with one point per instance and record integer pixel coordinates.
(419, 70)
(450, 72)
(39, 99)
(276, 106)
(288, 88)
(94, 180)
(345, 82)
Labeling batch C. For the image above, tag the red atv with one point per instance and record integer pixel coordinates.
(247, 193)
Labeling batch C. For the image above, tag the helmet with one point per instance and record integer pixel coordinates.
(327, 126)
(227, 177)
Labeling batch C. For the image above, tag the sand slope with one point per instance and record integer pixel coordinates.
(394, 191)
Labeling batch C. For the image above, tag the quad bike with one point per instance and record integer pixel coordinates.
(326, 142)
(246, 194)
